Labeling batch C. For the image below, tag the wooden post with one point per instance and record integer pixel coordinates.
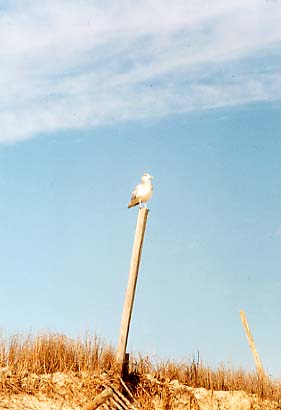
(250, 338)
(131, 287)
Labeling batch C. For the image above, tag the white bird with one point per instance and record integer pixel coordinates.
(142, 192)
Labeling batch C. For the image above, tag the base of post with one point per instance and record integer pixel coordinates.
(125, 367)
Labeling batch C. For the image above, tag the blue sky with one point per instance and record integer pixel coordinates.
(93, 95)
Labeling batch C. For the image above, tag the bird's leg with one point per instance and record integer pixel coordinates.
(145, 205)
(140, 203)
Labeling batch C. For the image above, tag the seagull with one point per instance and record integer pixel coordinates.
(142, 192)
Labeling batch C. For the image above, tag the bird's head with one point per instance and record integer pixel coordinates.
(146, 178)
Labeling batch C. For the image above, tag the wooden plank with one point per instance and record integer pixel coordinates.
(99, 400)
(127, 389)
(131, 287)
(250, 338)
(123, 399)
(117, 405)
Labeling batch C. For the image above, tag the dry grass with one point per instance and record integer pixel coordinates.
(76, 370)
(52, 353)
(194, 374)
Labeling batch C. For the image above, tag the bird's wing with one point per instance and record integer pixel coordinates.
(134, 193)
(134, 199)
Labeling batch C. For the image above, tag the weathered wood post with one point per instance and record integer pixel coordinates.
(122, 357)
(260, 371)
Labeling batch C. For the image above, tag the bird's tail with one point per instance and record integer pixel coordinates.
(133, 203)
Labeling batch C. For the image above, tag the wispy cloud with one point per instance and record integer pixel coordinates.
(68, 64)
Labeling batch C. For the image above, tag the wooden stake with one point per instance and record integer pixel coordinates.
(131, 287)
(100, 399)
(250, 338)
